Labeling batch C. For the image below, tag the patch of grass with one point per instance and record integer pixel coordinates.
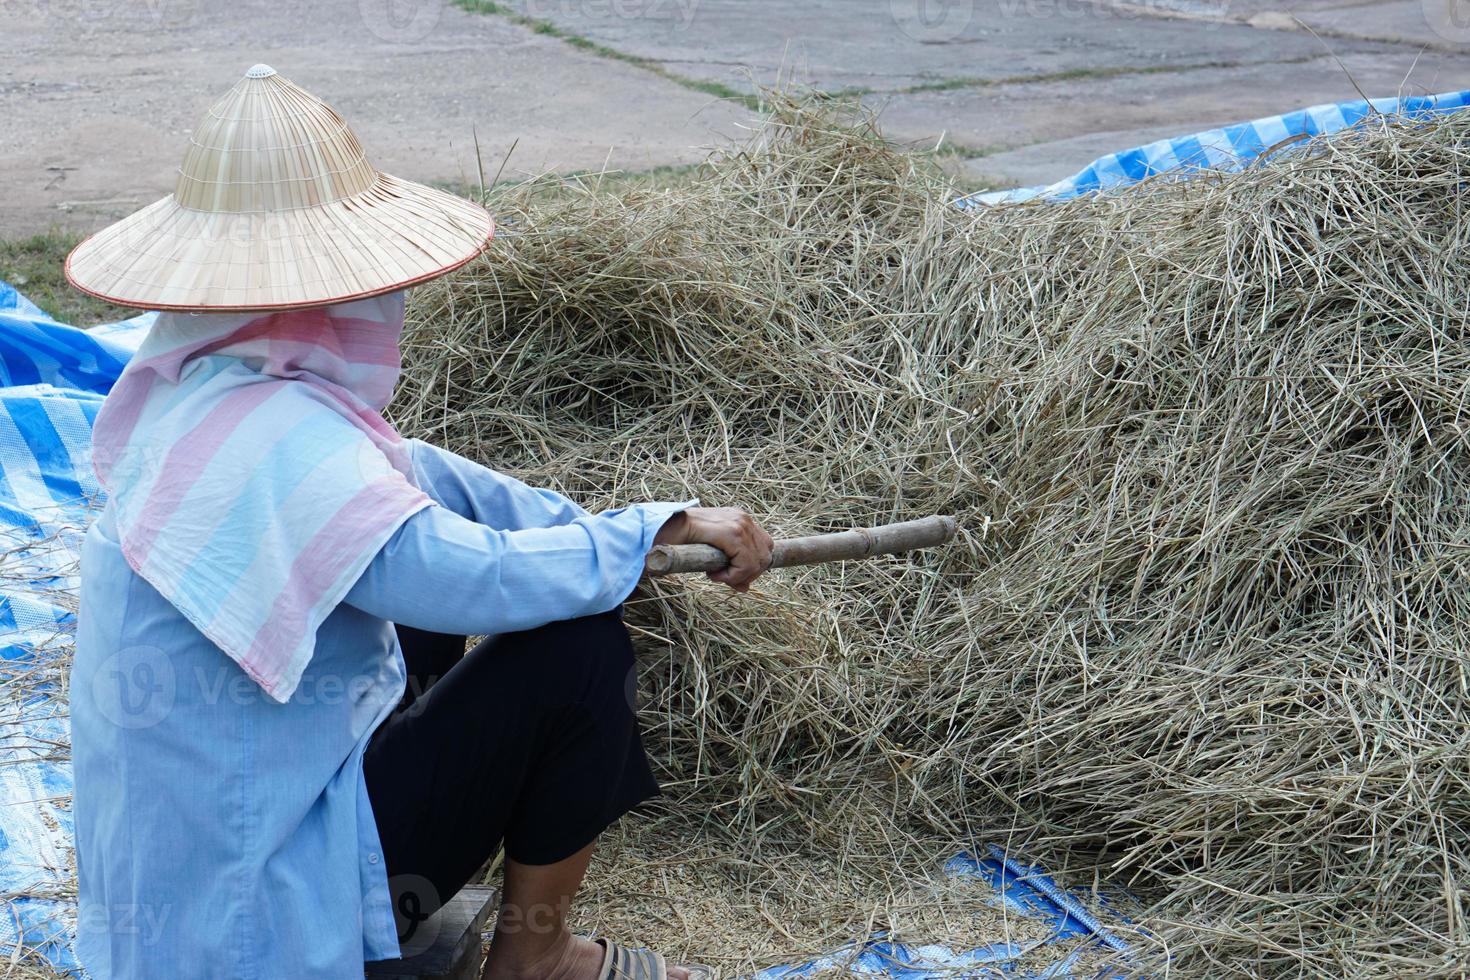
(34, 266)
(613, 181)
(949, 148)
(968, 182)
(848, 93)
(1077, 74)
(717, 89)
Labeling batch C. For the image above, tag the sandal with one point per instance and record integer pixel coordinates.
(624, 963)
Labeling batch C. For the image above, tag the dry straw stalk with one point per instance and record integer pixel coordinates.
(1207, 636)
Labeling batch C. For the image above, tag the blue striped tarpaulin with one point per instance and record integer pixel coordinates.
(1022, 889)
(1227, 148)
(43, 510)
(52, 378)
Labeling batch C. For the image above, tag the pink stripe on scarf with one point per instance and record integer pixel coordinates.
(319, 564)
(188, 457)
(351, 339)
(352, 343)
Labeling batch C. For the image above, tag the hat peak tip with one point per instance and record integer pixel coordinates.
(260, 71)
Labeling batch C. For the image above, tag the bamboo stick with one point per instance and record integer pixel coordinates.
(861, 542)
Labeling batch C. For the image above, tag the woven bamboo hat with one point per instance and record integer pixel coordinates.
(276, 207)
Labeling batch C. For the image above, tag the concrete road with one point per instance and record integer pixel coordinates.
(97, 96)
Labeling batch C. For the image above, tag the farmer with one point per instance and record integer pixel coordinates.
(279, 741)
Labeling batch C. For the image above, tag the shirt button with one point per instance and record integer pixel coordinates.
(373, 858)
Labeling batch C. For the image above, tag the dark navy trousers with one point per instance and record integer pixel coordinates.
(529, 740)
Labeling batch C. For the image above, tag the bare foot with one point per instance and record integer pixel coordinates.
(571, 958)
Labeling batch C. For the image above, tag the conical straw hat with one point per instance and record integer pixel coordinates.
(276, 207)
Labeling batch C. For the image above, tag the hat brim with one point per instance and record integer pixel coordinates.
(393, 235)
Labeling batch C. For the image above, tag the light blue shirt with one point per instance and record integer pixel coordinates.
(223, 836)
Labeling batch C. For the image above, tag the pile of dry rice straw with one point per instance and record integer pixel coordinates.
(1209, 634)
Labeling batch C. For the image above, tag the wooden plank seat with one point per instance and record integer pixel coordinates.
(453, 936)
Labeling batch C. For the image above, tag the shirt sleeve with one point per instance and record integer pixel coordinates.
(447, 574)
(482, 495)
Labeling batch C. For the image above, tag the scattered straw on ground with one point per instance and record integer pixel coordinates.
(41, 562)
(1206, 635)
(691, 897)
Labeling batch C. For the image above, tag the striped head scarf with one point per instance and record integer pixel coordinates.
(251, 474)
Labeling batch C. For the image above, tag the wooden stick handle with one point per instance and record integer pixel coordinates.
(672, 559)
